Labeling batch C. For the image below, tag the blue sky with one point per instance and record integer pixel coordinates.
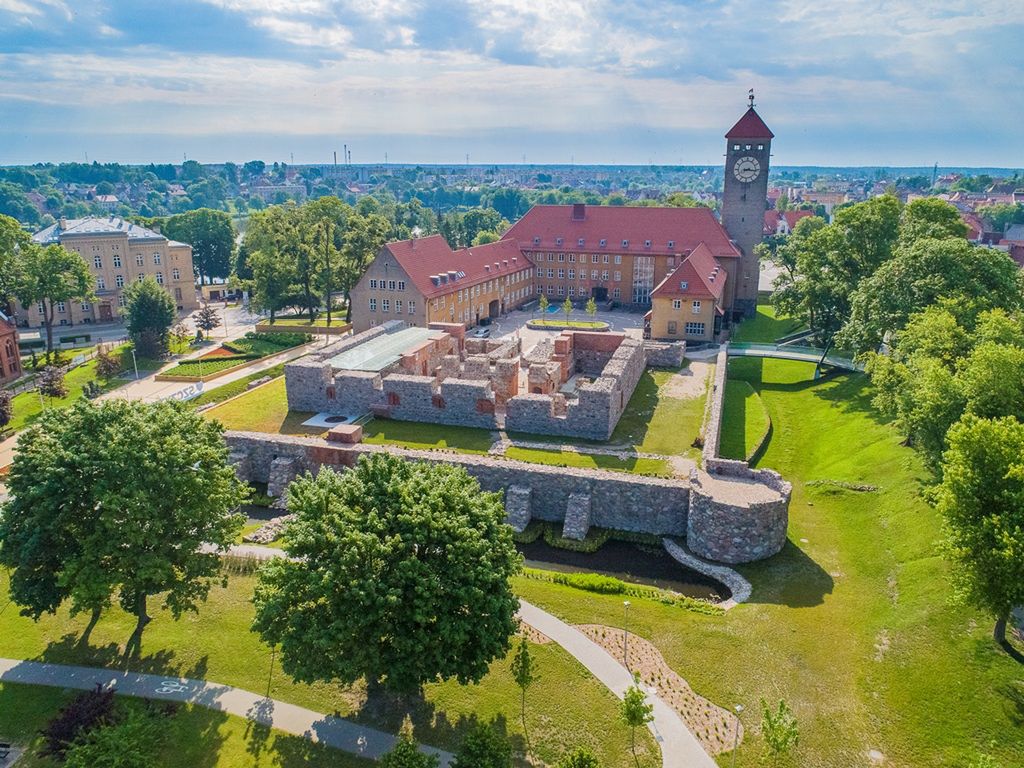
(841, 82)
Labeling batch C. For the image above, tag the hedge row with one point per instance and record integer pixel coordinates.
(609, 585)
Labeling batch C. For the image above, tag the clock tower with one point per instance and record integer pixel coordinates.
(747, 152)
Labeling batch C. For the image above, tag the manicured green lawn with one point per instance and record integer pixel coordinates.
(263, 409)
(195, 736)
(765, 326)
(256, 346)
(853, 624)
(570, 323)
(205, 367)
(27, 405)
(639, 466)
(236, 387)
(565, 707)
(744, 419)
(414, 434)
(655, 422)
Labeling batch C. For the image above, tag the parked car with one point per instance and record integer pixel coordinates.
(481, 333)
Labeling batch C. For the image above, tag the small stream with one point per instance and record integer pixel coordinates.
(627, 562)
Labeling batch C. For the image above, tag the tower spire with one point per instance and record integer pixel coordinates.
(750, 97)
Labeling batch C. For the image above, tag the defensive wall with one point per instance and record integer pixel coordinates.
(719, 517)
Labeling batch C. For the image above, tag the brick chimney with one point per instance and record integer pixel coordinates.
(579, 211)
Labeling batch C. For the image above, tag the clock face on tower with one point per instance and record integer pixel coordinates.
(746, 169)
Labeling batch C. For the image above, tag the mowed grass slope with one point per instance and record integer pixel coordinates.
(566, 706)
(853, 623)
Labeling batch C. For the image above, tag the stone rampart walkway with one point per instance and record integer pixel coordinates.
(325, 729)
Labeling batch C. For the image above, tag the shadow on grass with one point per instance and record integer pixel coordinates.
(195, 738)
(1013, 694)
(389, 711)
(636, 419)
(70, 650)
(790, 578)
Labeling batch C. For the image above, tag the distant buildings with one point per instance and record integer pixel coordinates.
(117, 252)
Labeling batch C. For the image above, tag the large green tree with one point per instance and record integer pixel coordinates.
(399, 573)
(52, 275)
(212, 237)
(327, 226)
(150, 312)
(365, 235)
(119, 499)
(924, 272)
(14, 241)
(272, 243)
(982, 501)
(483, 747)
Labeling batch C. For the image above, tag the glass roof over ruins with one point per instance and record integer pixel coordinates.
(380, 352)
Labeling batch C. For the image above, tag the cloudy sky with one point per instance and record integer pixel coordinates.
(841, 82)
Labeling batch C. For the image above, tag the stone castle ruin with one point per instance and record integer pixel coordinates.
(576, 385)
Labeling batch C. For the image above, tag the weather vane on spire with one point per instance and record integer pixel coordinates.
(750, 95)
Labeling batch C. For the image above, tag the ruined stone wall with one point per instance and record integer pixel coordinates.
(716, 401)
(579, 498)
(665, 354)
(458, 402)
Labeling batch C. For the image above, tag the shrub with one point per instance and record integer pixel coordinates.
(133, 742)
(84, 713)
(51, 382)
(6, 408)
(484, 747)
(108, 365)
(533, 531)
(595, 539)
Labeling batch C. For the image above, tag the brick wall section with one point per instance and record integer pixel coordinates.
(661, 354)
(459, 402)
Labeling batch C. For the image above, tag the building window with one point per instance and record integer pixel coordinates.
(401, 285)
(605, 259)
(159, 278)
(625, 243)
(176, 274)
(140, 277)
(398, 306)
(139, 261)
(618, 258)
(735, 147)
(40, 308)
(561, 274)
(671, 243)
(391, 285)
(540, 272)
(618, 276)
(604, 274)
(119, 281)
(551, 257)
(373, 305)
(117, 261)
(177, 295)
(683, 285)
(97, 262)
(156, 258)
(121, 301)
(749, 147)
(572, 274)
(412, 307)
(385, 305)
(604, 243)
(572, 291)
(593, 258)
(101, 283)
(616, 293)
(677, 303)
(593, 274)
(86, 307)
(561, 257)
(551, 273)
(671, 327)
(760, 146)
(373, 284)
(695, 329)
(696, 307)
(561, 290)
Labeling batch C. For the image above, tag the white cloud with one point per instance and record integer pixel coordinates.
(305, 33)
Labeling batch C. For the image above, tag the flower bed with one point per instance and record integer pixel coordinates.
(232, 355)
(568, 325)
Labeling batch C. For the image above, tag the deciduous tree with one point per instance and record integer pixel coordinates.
(483, 747)
(50, 276)
(524, 674)
(779, 730)
(122, 499)
(51, 382)
(150, 312)
(407, 755)
(581, 757)
(211, 235)
(207, 319)
(982, 501)
(399, 573)
(636, 713)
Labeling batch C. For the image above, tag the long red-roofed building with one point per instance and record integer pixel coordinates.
(423, 281)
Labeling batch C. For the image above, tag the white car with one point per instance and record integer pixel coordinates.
(481, 333)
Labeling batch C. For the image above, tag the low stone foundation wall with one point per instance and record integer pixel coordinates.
(665, 354)
(579, 498)
(716, 402)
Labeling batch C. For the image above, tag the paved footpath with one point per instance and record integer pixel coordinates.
(326, 729)
(679, 747)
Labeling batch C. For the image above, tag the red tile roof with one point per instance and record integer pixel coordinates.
(703, 276)
(424, 257)
(772, 218)
(685, 228)
(750, 126)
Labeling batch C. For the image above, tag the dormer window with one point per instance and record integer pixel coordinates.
(536, 241)
(625, 243)
(603, 242)
(671, 243)
(580, 242)
(558, 241)
(647, 243)
(683, 285)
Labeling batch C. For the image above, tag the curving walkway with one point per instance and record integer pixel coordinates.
(325, 729)
(789, 352)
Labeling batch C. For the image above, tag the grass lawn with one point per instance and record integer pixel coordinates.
(196, 737)
(27, 405)
(656, 422)
(263, 409)
(236, 387)
(639, 466)
(744, 419)
(765, 327)
(852, 623)
(414, 434)
(216, 644)
(302, 321)
(256, 346)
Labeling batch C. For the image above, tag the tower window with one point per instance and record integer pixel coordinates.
(760, 146)
(735, 146)
(748, 146)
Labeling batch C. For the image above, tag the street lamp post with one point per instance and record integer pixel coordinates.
(736, 736)
(135, 363)
(625, 634)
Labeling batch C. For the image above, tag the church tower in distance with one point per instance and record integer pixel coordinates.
(747, 152)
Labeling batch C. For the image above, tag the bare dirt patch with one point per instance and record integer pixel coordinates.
(690, 383)
(218, 352)
(531, 634)
(713, 726)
